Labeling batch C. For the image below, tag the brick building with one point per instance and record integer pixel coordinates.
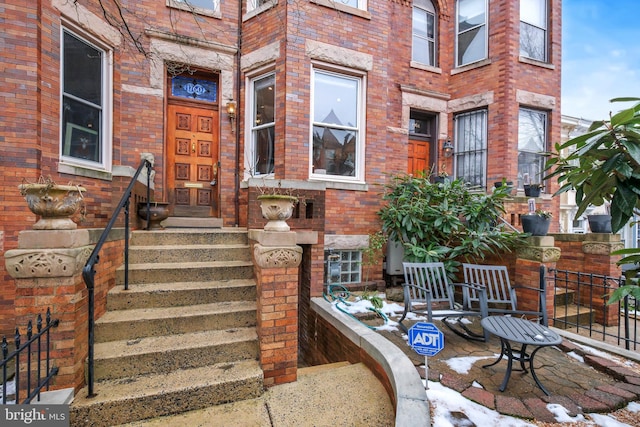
(326, 97)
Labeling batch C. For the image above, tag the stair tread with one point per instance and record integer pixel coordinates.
(160, 344)
(185, 265)
(188, 246)
(181, 286)
(571, 310)
(182, 380)
(138, 314)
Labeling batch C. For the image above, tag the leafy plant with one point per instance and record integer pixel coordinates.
(376, 301)
(603, 166)
(445, 222)
(372, 254)
(544, 214)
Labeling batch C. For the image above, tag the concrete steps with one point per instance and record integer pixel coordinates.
(567, 312)
(183, 336)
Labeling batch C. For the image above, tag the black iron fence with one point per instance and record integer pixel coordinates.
(35, 353)
(580, 306)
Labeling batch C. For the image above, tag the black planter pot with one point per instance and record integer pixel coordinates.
(532, 191)
(599, 223)
(158, 212)
(509, 185)
(535, 225)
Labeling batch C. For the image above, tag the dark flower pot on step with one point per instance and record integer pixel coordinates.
(532, 190)
(599, 223)
(535, 225)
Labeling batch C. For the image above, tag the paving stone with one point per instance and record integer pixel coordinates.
(633, 388)
(617, 390)
(588, 404)
(538, 408)
(609, 400)
(481, 396)
(568, 404)
(455, 381)
(512, 406)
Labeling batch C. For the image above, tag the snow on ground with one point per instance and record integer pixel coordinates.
(451, 409)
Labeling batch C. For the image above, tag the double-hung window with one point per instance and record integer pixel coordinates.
(471, 35)
(84, 104)
(338, 146)
(533, 29)
(471, 150)
(532, 143)
(203, 7)
(424, 33)
(262, 114)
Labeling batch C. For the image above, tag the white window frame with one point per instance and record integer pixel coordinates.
(106, 122)
(427, 7)
(537, 153)
(471, 154)
(251, 127)
(214, 11)
(486, 34)
(524, 22)
(359, 129)
(255, 7)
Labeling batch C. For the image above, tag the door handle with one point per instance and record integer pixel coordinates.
(193, 147)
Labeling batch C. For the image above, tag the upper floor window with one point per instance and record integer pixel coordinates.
(84, 102)
(533, 29)
(471, 147)
(424, 33)
(338, 147)
(532, 143)
(259, 5)
(203, 7)
(471, 44)
(262, 115)
(358, 4)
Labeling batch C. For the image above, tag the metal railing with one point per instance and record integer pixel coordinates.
(33, 346)
(581, 307)
(88, 271)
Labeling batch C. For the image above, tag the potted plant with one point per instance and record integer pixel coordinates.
(601, 166)
(276, 204)
(54, 203)
(600, 222)
(157, 212)
(536, 223)
(533, 190)
(504, 183)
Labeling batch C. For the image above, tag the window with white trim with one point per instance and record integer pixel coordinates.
(471, 31)
(338, 144)
(471, 147)
(85, 100)
(532, 143)
(358, 4)
(262, 125)
(423, 48)
(259, 5)
(533, 29)
(203, 7)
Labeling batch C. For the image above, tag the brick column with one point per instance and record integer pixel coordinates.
(276, 261)
(597, 248)
(541, 250)
(47, 270)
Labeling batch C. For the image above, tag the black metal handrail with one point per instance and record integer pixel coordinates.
(88, 271)
(27, 349)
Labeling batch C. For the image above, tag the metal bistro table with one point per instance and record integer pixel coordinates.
(522, 331)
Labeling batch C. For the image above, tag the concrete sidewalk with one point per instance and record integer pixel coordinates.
(338, 394)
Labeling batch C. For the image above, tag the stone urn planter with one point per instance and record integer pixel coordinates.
(535, 224)
(54, 203)
(158, 212)
(277, 209)
(599, 223)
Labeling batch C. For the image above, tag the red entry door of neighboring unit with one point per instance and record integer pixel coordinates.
(419, 157)
(192, 160)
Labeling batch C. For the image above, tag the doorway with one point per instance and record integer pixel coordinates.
(422, 140)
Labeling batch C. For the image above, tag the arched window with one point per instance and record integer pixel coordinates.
(424, 33)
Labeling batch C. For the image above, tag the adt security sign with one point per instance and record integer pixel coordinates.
(426, 339)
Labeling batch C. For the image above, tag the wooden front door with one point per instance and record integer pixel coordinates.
(192, 160)
(419, 157)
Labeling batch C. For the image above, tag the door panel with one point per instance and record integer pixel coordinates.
(192, 160)
(419, 157)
